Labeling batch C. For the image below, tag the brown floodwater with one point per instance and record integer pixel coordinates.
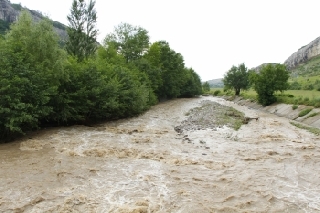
(141, 165)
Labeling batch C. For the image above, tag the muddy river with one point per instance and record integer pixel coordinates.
(142, 165)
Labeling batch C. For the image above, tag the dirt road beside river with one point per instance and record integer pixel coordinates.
(143, 165)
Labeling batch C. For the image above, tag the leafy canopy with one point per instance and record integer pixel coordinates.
(82, 30)
(270, 79)
(130, 41)
(236, 78)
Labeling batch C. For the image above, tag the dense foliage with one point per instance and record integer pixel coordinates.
(236, 78)
(42, 84)
(270, 79)
(4, 26)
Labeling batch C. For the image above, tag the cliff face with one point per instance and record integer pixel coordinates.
(10, 14)
(304, 54)
(7, 12)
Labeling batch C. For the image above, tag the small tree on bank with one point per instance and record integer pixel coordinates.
(205, 87)
(236, 78)
(270, 79)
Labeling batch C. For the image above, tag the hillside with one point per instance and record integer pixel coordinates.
(216, 83)
(308, 68)
(9, 13)
(304, 54)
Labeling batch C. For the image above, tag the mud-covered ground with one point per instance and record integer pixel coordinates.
(143, 165)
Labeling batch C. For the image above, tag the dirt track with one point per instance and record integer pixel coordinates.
(143, 165)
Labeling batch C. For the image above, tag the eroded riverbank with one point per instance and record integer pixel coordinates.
(143, 165)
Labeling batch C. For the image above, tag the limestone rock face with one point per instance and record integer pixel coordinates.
(304, 54)
(7, 13)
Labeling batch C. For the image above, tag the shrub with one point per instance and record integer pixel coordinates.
(294, 107)
(308, 87)
(216, 93)
(304, 112)
(295, 86)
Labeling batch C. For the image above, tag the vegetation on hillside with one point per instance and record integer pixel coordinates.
(306, 76)
(42, 84)
(4, 26)
(16, 6)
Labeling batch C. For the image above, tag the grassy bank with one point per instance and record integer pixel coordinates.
(295, 97)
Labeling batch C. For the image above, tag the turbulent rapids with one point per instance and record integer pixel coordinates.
(142, 165)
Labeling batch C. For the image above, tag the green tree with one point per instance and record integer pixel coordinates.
(30, 66)
(270, 79)
(82, 30)
(205, 87)
(192, 85)
(130, 41)
(236, 78)
(172, 71)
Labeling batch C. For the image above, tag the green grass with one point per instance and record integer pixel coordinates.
(304, 112)
(294, 97)
(313, 130)
(313, 114)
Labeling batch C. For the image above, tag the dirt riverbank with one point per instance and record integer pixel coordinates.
(143, 165)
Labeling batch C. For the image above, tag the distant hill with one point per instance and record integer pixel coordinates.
(9, 13)
(216, 83)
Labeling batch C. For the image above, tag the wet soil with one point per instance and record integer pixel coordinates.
(143, 165)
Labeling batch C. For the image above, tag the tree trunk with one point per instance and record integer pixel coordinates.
(237, 90)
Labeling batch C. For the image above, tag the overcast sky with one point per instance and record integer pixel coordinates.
(212, 35)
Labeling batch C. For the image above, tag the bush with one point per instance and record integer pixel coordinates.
(304, 112)
(295, 86)
(308, 87)
(294, 107)
(216, 93)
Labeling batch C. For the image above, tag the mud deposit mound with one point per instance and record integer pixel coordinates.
(142, 165)
(212, 115)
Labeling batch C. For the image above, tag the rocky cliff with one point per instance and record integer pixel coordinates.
(304, 54)
(10, 12)
(7, 12)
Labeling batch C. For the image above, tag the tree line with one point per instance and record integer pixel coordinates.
(43, 84)
(269, 79)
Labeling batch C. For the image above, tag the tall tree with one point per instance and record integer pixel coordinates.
(270, 79)
(82, 30)
(130, 41)
(172, 71)
(30, 66)
(236, 78)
